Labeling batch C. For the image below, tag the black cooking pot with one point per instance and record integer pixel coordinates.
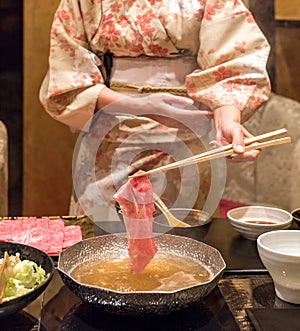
(140, 302)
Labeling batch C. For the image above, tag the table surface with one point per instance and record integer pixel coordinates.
(245, 285)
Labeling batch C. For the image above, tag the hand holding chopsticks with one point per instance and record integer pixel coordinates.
(258, 142)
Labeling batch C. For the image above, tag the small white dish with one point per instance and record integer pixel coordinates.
(252, 221)
(279, 251)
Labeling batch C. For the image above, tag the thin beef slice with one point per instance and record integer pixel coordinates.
(137, 205)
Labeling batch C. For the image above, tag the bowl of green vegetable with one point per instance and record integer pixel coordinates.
(25, 272)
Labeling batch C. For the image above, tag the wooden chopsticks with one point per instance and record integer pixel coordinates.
(257, 142)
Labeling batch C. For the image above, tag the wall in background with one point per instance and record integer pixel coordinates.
(48, 145)
(287, 45)
(287, 9)
(11, 96)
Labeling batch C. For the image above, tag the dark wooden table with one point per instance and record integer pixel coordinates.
(245, 285)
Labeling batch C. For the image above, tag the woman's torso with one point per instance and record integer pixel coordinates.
(147, 27)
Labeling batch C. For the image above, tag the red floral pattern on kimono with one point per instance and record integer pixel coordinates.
(230, 49)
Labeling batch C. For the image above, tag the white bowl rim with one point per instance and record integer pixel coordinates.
(241, 221)
(270, 250)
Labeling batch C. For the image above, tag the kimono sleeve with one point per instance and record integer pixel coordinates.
(232, 56)
(73, 82)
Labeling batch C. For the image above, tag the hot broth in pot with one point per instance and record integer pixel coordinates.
(161, 274)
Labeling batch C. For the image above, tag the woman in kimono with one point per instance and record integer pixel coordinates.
(192, 63)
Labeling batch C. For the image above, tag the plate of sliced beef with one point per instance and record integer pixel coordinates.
(48, 235)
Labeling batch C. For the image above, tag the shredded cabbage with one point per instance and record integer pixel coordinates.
(27, 276)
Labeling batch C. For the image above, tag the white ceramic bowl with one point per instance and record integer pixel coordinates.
(280, 253)
(251, 221)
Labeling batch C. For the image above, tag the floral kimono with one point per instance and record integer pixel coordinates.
(209, 50)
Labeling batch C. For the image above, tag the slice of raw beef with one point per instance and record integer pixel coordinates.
(137, 205)
(72, 234)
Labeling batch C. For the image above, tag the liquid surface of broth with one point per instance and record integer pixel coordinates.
(260, 222)
(162, 274)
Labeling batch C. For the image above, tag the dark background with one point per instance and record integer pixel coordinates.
(11, 32)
